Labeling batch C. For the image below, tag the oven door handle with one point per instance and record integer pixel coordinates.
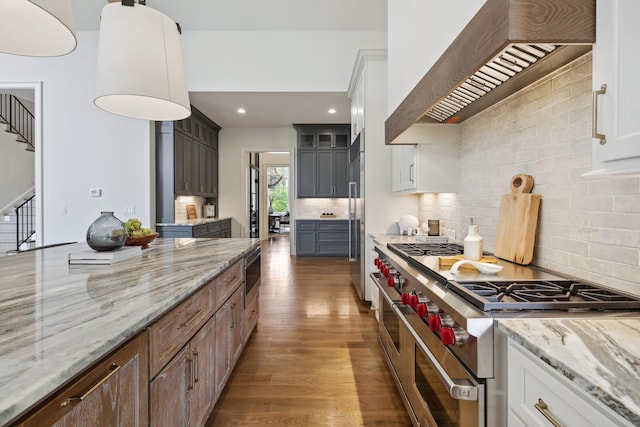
(459, 389)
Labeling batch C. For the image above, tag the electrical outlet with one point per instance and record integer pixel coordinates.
(95, 192)
(451, 234)
(129, 210)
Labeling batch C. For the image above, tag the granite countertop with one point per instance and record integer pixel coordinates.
(600, 356)
(192, 222)
(58, 319)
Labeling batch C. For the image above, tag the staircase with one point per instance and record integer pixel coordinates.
(18, 119)
(17, 221)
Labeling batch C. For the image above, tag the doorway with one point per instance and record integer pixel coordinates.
(278, 183)
(21, 155)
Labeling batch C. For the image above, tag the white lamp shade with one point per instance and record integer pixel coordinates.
(36, 27)
(140, 70)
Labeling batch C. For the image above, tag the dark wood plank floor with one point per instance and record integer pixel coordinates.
(316, 359)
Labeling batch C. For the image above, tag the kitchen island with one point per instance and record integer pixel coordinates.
(59, 319)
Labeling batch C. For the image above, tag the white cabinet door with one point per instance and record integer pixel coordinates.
(616, 65)
(538, 393)
(403, 163)
(358, 106)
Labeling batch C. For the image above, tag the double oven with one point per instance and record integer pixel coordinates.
(437, 329)
(436, 388)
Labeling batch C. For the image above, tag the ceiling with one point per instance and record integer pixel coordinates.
(263, 109)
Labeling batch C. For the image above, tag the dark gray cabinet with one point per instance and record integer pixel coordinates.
(323, 161)
(220, 228)
(186, 162)
(326, 237)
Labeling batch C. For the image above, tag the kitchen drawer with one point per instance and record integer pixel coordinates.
(333, 249)
(175, 329)
(305, 225)
(227, 282)
(333, 236)
(333, 225)
(202, 230)
(531, 380)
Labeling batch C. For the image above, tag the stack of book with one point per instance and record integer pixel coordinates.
(90, 256)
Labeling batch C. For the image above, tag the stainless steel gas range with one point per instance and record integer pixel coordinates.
(437, 328)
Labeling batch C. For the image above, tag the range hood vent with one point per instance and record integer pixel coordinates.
(508, 45)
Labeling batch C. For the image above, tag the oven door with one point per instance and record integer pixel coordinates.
(442, 392)
(389, 332)
(252, 274)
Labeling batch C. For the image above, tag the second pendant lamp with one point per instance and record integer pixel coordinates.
(140, 70)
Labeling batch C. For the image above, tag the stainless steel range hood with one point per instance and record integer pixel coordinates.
(506, 46)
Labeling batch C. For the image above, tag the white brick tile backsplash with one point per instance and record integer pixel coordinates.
(588, 228)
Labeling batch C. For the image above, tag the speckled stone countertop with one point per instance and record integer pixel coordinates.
(192, 222)
(600, 356)
(58, 319)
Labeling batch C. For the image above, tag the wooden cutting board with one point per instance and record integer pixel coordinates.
(191, 212)
(517, 221)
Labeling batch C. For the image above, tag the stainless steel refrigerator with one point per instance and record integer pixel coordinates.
(356, 214)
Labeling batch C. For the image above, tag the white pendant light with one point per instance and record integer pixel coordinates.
(37, 27)
(140, 71)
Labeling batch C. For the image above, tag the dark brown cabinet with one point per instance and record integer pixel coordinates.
(186, 162)
(323, 161)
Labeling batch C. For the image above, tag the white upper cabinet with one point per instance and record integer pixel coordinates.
(425, 168)
(616, 65)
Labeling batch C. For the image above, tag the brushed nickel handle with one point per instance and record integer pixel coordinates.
(113, 369)
(542, 407)
(411, 166)
(191, 319)
(594, 116)
(196, 370)
(234, 309)
(191, 382)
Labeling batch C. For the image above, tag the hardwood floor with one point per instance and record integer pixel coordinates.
(315, 359)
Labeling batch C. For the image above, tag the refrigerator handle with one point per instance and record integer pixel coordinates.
(352, 216)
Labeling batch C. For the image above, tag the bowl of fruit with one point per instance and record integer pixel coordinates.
(138, 235)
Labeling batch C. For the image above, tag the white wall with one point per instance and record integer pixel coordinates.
(588, 228)
(234, 148)
(82, 146)
(273, 61)
(85, 147)
(419, 31)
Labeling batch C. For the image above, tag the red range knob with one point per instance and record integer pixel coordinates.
(376, 262)
(385, 271)
(405, 298)
(413, 301)
(391, 281)
(421, 309)
(447, 336)
(435, 323)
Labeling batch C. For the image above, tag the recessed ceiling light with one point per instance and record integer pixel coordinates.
(241, 110)
(332, 110)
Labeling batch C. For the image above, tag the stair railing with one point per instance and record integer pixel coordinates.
(25, 222)
(18, 119)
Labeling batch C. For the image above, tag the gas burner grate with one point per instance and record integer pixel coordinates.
(430, 249)
(542, 295)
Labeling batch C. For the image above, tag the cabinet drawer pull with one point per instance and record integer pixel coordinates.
(594, 116)
(234, 315)
(196, 373)
(113, 368)
(191, 380)
(191, 319)
(542, 407)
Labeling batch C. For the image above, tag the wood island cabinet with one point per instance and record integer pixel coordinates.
(182, 394)
(112, 393)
